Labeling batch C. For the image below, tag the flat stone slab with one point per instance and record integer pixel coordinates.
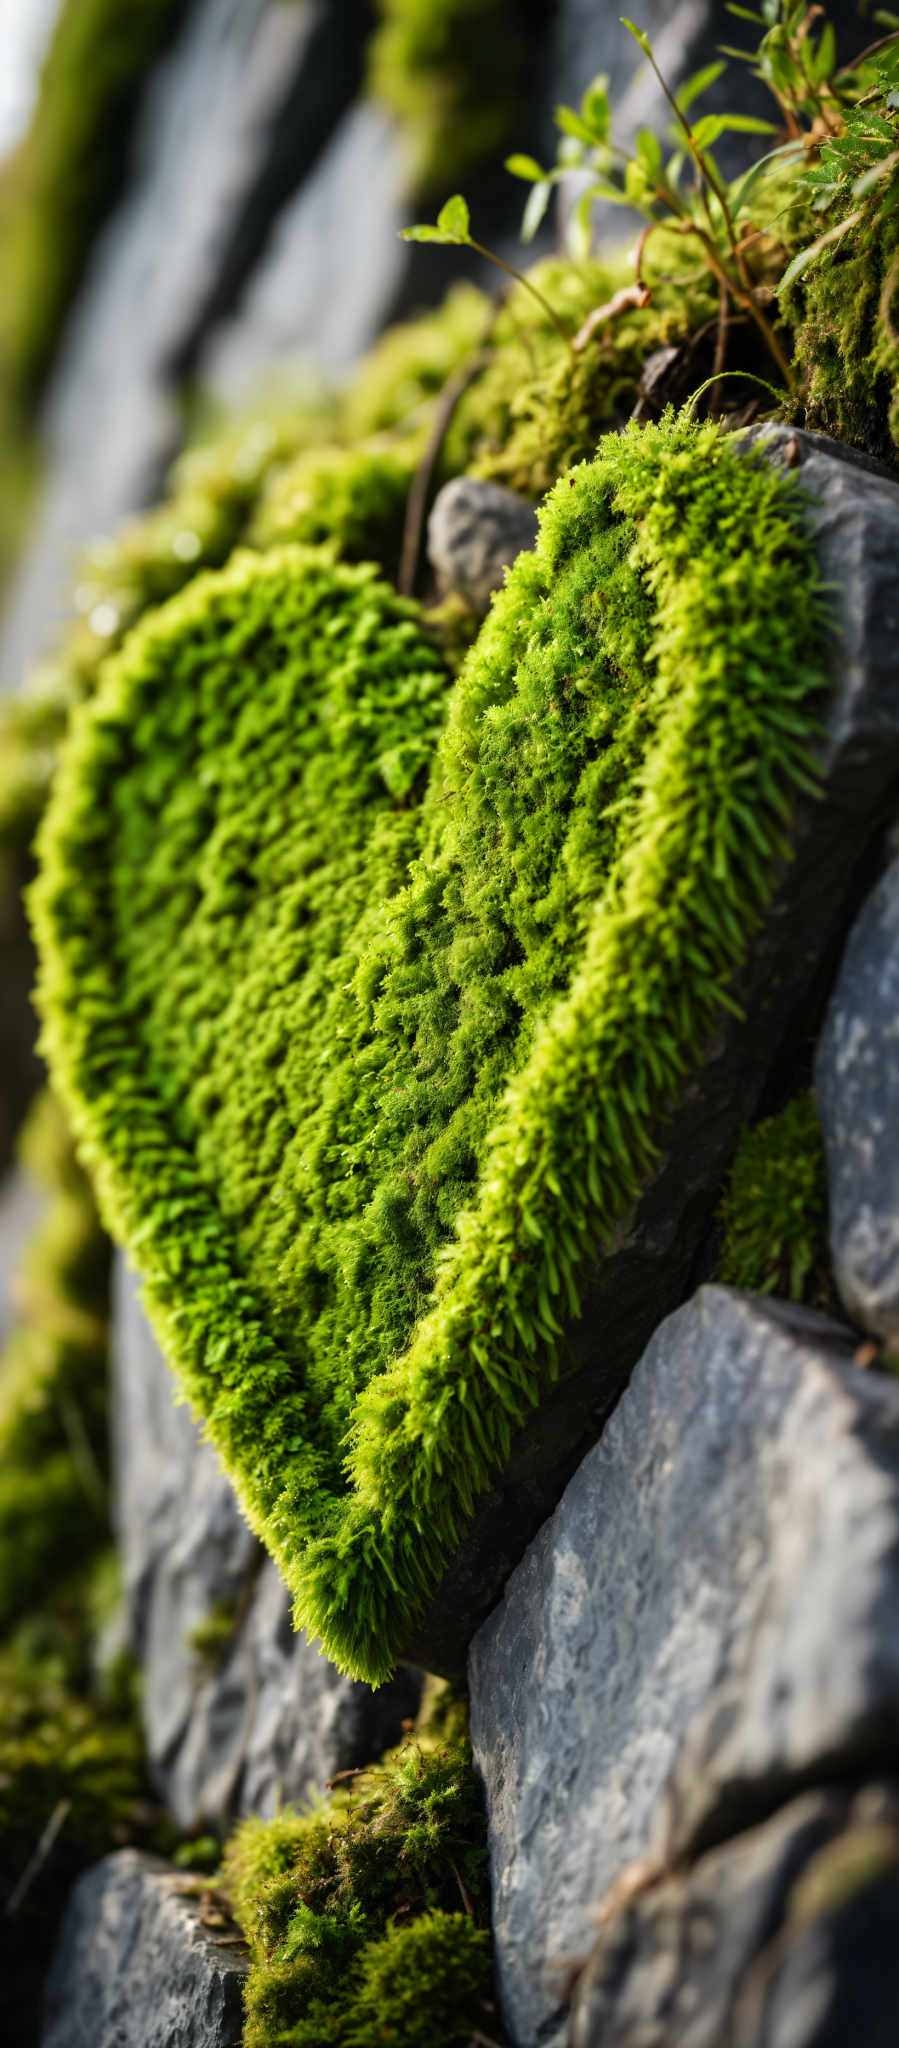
(785, 1936)
(708, 1622)
(265, 1718)
(646, 1269)
(135, 1968)
(857, 1087)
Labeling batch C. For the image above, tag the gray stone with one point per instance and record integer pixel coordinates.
(475, 530)
(857, 1086)
(333, 266)
(750, 1947)
(268, 1718)
(647, 1267)
(232, 121)
(709, 1621)
(135, 1968)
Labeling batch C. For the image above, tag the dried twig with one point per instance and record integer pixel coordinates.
(36, 1863)
(636, 294)
(465, 1898)
(416, 503)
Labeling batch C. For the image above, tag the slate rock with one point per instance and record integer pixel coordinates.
(708, 1622)
(266, 1717)
(857, 1087)
(133, 1964)
(647, 1266)
(785, 1935)
(230, 124)
(474, 532)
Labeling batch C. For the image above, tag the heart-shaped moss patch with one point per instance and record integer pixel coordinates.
(367, 994)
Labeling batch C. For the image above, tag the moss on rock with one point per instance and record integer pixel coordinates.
(773, 1215)
(364, 1122)
(368, 1919)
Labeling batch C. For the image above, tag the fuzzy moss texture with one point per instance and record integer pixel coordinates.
(363, 1122)
(368, 1919)
(773, 1216)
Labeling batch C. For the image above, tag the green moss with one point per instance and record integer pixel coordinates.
(64, 1758)
(364, 1137)
(845, 312)
(410, 363)
(535, 410)
(353, 499)
(773, 1216)
(454, 73)
(368, 1918)
(53, 1422)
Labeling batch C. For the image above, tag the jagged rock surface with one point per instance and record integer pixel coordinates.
(266, 1718)
(785, 1936)
(857, 1087)
(646, 1269)
(134, 1965)
(475, 530)
(711, 1614)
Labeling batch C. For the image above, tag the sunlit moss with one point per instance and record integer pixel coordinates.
(365, 1122)
(773, 1215)
(368, 1919)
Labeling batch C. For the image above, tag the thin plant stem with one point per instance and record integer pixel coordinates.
(510, 270)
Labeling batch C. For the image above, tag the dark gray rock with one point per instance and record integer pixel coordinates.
(709, 1621)
(134, 1967)
(232, 121)
(857, 1086)
(647, 1267)
(475, 530)
(750, 1946)
(265, 1717)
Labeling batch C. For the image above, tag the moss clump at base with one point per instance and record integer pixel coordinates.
(368, 1919)
(364, 1123)
(773, 1216)
(535, 411)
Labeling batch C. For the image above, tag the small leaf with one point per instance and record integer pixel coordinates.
(538, 201)
(639, 34)
(699, 83)
(423, 233)
(581, 227)
(453, 218)
(787, 152)
(572, 124)
(744, 13)
(595, 106)
(525, 167)
(707, 131)
(807, 255)
(825, 57)
(649, 151)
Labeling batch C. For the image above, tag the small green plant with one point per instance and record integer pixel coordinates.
(773, 1215)
(368, 1919)
(453, 225)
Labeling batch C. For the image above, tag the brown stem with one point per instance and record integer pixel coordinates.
(630, 295)
(720, 349)
(416, 503)
(529, 286)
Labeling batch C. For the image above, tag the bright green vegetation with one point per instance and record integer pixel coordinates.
(368, 1918)
(54, 191)
(353, 498)
(840, 290)
(69, 1745)
(53, 1379)
(773, 1215)
(364, 1123)
(454, 72)
(535, 411)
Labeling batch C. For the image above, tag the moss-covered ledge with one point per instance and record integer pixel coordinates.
(372, 1173)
